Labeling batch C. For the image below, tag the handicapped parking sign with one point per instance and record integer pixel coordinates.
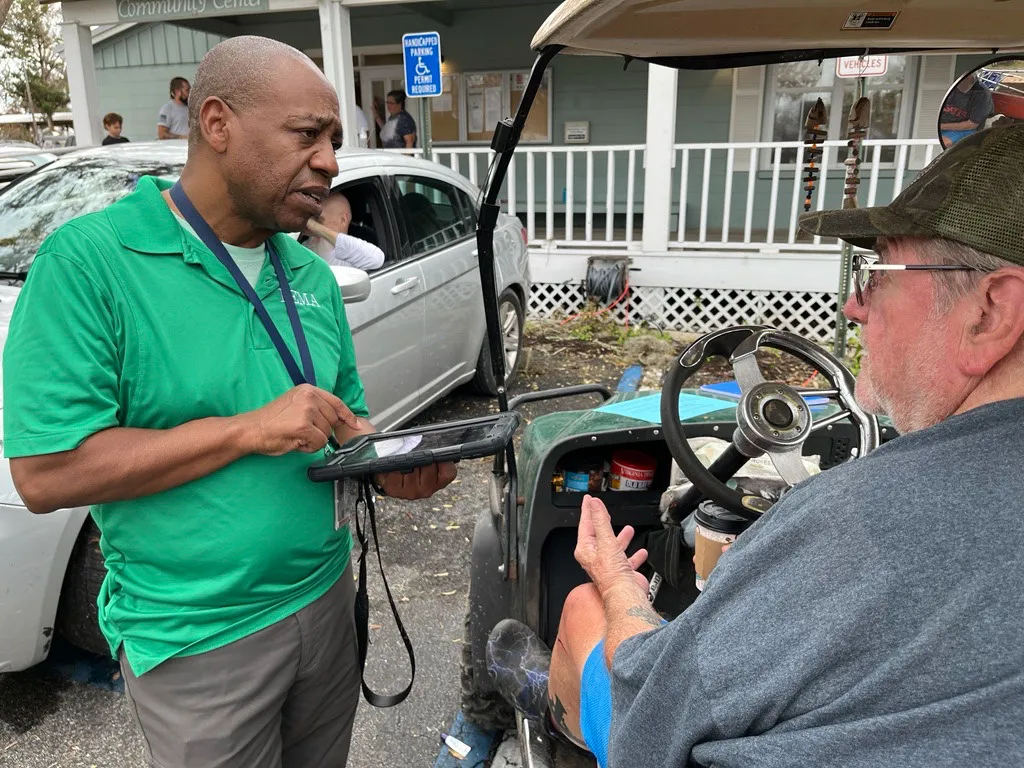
(422, 54)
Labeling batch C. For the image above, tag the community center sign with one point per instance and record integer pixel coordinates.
(161, 10)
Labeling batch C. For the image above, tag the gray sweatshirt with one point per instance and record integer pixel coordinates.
(874, 617)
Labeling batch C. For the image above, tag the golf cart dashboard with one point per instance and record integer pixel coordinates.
(645, 481)
(629, 470)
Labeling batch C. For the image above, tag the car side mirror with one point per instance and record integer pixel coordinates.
(354, 283)
(991, 94)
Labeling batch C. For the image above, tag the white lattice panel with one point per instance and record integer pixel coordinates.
(552, 299)
(696, 310)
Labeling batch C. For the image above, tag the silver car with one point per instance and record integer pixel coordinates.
(20, 157)
(417, 323)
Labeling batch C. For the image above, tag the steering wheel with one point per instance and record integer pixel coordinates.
(771, 418)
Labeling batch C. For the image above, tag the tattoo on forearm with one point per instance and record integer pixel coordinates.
(645, 614)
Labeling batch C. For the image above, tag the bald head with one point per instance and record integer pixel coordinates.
(237, 71)
(337, 213)
(263, 137)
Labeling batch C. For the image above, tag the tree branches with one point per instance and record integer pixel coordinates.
(29, 41)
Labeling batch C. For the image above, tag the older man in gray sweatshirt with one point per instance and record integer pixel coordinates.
(875, 615)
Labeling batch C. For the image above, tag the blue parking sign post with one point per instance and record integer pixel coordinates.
(421, 53)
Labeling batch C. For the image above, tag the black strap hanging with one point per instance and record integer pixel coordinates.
(363, 602)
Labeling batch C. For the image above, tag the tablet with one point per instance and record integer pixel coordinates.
(411, 448)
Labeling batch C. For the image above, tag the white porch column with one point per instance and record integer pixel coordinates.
(662, 90)
(85, 99)
(336, 40)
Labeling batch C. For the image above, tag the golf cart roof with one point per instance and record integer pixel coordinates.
(712, 34)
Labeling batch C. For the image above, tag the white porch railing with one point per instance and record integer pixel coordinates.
(734, 253)
(566, 195)
(735, 196)
(744, 197)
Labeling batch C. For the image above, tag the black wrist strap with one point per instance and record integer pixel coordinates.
(362, 609)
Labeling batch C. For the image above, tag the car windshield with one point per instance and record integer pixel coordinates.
(32, 209)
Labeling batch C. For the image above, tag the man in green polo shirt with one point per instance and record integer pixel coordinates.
(139, 379)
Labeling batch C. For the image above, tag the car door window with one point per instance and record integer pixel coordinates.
(370, 218)
(468, 205)
(432, 213)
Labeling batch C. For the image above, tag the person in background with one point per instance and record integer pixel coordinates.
(329, 238)
(172, 122)
(399, 130)
(964, 111)
(362, 125)
(112, 123)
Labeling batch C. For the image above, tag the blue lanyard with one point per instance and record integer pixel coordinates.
(198, 223)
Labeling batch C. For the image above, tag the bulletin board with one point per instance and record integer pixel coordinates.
(485, 104)
(445, 110)
(538, 123)
(472, 103)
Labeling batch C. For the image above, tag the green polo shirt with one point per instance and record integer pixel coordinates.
(127, 321)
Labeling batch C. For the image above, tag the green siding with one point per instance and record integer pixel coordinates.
(149, 45)
(703, 106)
(134, 70)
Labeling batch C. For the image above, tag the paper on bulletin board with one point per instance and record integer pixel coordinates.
(443, 103)
(493, 106)
(475, 112)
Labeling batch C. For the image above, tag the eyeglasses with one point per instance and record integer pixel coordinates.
(866, 269)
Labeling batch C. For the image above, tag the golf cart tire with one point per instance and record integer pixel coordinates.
(490, 601)
(484, 381)
(77, 613)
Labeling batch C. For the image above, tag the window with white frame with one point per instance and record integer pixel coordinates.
(793, 88)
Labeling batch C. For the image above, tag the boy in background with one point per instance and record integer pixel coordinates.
(112, 123)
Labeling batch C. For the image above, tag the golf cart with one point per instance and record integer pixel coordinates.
(522, 553)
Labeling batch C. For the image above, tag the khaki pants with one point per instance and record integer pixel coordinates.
(284, 697)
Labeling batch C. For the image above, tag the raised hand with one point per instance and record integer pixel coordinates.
(603, 554)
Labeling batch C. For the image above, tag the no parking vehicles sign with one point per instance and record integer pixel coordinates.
(421, 52)
(862, 66)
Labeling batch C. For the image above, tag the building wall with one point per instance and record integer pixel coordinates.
(584, 88)
(134, 70)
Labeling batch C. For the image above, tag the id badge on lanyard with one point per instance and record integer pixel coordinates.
(346, 495)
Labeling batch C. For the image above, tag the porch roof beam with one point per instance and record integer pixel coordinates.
(434, 12)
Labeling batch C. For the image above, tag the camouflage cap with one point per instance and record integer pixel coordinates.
(972, 193)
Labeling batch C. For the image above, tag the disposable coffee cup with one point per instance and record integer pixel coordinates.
(715, 528)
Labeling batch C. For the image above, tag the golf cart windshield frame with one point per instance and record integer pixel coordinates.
(506, 138)
(508, 132)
